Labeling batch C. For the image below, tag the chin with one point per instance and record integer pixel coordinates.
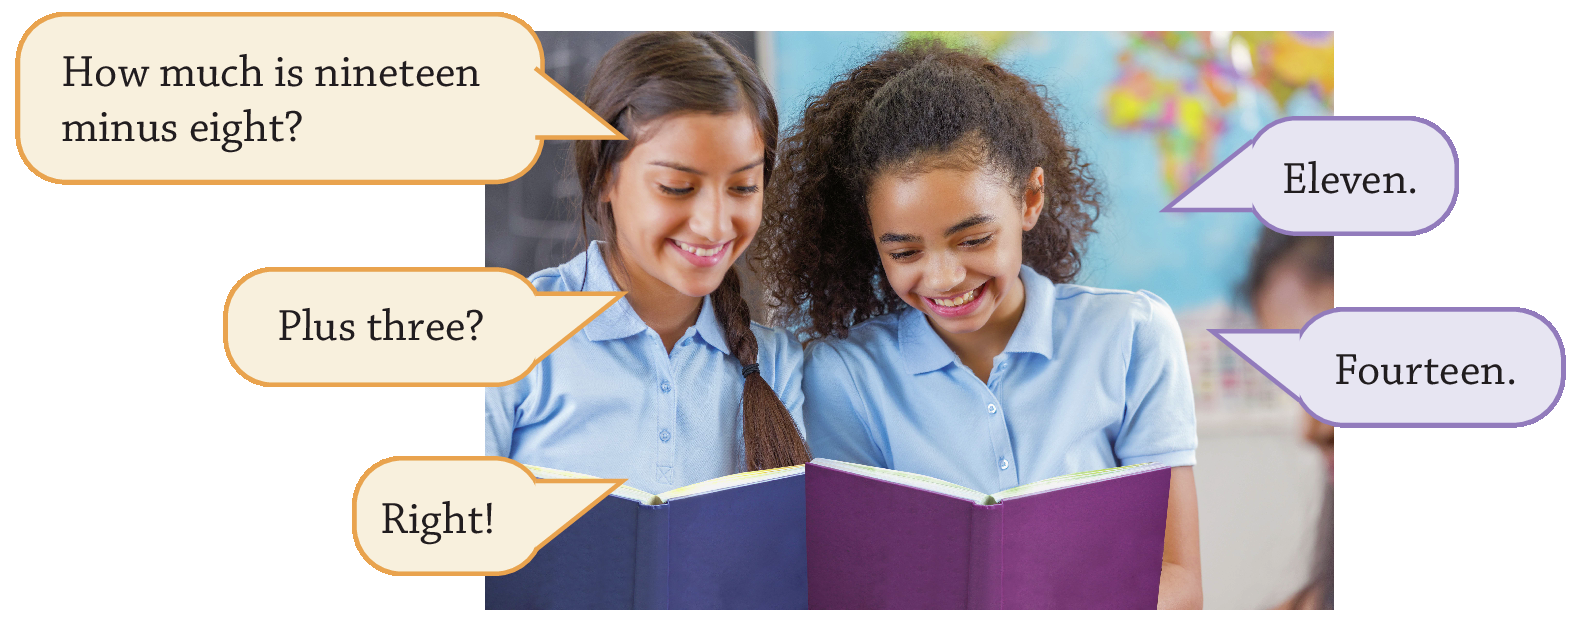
(958, 326)
(696, 285)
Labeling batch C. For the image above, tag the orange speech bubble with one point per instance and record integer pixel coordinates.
(397, 326)
(288, 98)
(462, 516)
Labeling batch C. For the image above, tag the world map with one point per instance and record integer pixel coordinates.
(1151, 111)
(1182, 88)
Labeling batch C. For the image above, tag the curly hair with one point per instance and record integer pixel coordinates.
(921, 105)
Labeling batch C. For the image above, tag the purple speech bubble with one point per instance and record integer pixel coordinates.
(1414, 367)
(1344, 176)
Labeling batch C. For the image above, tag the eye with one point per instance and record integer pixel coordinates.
(674, 192)
(746, 190)
(903, 254)
(977, 241)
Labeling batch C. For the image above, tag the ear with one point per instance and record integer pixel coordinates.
(1032, 199)
(608, 191)
(609, 186)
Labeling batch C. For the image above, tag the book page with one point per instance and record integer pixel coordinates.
(1073, 480)
(634, 494)
(909, 479)
(730, 481)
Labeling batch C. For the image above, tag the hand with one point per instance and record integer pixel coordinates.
(1180, 586)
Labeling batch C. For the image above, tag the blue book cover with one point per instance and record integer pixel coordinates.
(737, 542)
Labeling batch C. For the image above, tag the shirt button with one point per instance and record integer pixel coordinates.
(992, 410)
(665, 387)
(1004, 463)
(1003, 365)
(666, 436)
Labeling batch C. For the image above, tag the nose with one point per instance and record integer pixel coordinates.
(711, 216)
(944, 273)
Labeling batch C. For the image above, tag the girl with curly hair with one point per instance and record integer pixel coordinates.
(927, 219)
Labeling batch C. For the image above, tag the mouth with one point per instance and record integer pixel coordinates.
(957, 305)
(701, 255)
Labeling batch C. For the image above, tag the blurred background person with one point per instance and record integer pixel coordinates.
(1290, 281)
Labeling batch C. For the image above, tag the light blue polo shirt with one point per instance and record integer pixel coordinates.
(612, 403)
(1092, 378)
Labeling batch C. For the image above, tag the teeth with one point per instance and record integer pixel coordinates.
(958, 301)
(698, 251)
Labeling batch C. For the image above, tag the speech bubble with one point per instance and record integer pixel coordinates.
(382, 98)
(1414, 367)
(1344, 176)
(462, 516)
(397, 326)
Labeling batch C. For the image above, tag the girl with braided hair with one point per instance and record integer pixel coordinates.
(672, 385)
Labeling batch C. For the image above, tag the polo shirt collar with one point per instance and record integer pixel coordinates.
(588, 272)
(922, 350)
(1035, 332)
(709, 327)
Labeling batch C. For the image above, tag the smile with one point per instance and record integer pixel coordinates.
(958, 301)
(959, 305)
(702, 256)
(703, 252)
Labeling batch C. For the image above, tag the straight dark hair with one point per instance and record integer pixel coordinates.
(647, 77)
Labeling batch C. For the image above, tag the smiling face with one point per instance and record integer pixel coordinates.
(950, 243)
(687, 200)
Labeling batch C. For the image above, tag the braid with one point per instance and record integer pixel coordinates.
(650, 76)
(770, 437)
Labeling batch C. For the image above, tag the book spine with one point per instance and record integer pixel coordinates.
(986, 559)
(653, 558)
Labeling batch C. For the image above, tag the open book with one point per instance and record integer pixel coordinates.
(734, 542)
(882, 538)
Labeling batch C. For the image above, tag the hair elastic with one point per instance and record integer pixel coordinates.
(751, 369)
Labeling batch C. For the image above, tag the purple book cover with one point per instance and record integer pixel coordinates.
(879, 545)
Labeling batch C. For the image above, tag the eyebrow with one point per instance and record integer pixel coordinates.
(974, 220)
(888, 237)
(969, 222)
(687, 169)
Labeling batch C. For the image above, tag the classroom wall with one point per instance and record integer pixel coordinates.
(1151, 112)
